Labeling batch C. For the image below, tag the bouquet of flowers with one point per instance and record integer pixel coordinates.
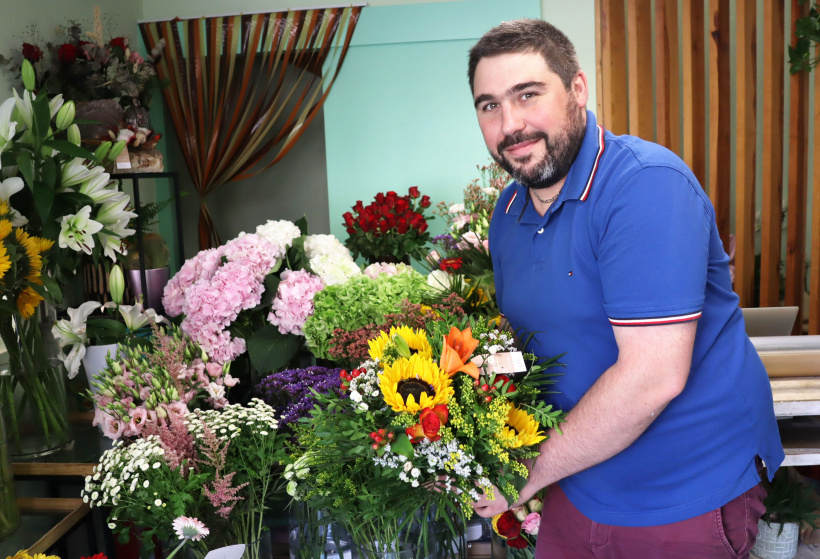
(518, 528)
(392, 228)
(461, 261)
(419, 429)
(215, 465)
(152, 386)
(82, 66)
(256, 292)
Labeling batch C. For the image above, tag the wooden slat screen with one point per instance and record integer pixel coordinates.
(687, 74)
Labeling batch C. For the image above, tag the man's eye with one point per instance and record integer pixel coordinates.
(489, 107)
(527, 96)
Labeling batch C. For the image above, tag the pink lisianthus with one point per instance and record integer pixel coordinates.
(531, 523)
(139, 416)
(470, 239)
(385, 269)
(293, 304)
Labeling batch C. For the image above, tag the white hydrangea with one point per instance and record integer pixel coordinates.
(317, 245)
(334, 268)
(280, 233)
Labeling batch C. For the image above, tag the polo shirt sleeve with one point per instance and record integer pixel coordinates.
(653, 249)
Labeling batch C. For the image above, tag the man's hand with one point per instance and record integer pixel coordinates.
(488, 508)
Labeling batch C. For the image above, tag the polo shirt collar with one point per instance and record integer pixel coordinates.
(580, 179)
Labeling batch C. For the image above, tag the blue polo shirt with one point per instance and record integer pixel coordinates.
(632, 241)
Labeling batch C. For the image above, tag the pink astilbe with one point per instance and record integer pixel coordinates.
(214, 452)
(177, 444)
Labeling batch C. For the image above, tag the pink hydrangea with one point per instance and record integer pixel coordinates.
(383, 268)
(293, 304)
(201, 267)
(254, 252)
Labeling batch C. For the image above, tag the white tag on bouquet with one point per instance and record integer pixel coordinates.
(227, 552)
(506, 363)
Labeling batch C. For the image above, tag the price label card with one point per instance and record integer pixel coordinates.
(504, 363)
(123, 160)
(228, 552)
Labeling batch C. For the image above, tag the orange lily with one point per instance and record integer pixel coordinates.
(456, 352)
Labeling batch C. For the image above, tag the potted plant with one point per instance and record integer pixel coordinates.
(789, 504)
(155, 255)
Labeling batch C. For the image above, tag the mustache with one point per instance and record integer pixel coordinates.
(519, 137)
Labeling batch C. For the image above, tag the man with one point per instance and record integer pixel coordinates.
(606, 248)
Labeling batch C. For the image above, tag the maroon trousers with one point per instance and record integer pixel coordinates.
(727, 532)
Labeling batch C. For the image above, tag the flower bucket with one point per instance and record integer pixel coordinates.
(771, 545)
(32, 388)
(9, 515)
(309, 538)
(155, 280)
(94, 361)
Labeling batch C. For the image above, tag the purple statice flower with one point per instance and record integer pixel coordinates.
(447, 242)
(290, 391)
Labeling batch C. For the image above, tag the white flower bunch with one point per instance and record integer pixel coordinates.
(494, 342)
(317, 245)
(120, 469)
(299, 470)
(334, 268)
(280, 233)
(364, 386)
(255, 419)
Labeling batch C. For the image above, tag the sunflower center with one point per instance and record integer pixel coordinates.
(416, 387)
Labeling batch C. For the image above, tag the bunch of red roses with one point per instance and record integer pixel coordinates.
(392, 228)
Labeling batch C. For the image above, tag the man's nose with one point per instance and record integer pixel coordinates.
(511, 120)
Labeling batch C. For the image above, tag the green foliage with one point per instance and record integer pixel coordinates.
(807, 31)
(790, 500)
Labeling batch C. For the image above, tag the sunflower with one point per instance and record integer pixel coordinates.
(27, 301)
(5, 228)
(413, 384)
(521, 430)
(384, 348)
(34, 247)
(5, 261)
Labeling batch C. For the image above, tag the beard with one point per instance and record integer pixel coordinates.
(559, 153)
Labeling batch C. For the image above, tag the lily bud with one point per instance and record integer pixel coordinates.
(29, 80)
(116, 284)
(116, 149)
(102, 151)
(401, 346)
(65, 116)
(73, 134)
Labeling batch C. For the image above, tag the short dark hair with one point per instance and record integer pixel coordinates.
(528, 35)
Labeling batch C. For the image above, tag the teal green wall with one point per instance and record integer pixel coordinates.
(401, 114)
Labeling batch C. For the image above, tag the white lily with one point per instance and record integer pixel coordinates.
(94, 187)
(9, 188)
(8, 127)
(112, 244)
(75, 172)
(23, 105)
(77, 230)
(54, 104)
(113, 212)
(134, 316)
(73, 332)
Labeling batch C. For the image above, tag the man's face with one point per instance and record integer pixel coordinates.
(532, 125)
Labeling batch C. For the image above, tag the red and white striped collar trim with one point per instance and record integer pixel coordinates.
(655, 321)
(510, 203)
(594, 170)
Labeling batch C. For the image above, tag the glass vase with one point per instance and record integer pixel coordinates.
(32, 387)
(311, 537)
(9, 515)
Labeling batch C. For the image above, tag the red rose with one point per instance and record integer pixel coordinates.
(67, 53)
(518, 543)
(349, 220)
(364, 224)
(414, 192)
(383, 227)
(425, 201)
(32, 53)
(380, 198)
(402, 226)
(359, 207)
(430, 422)
(120, 42)
(508, 526)
(423, 227)
(350, 230)
(450, 264)
(402, 205)
(501, 380)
